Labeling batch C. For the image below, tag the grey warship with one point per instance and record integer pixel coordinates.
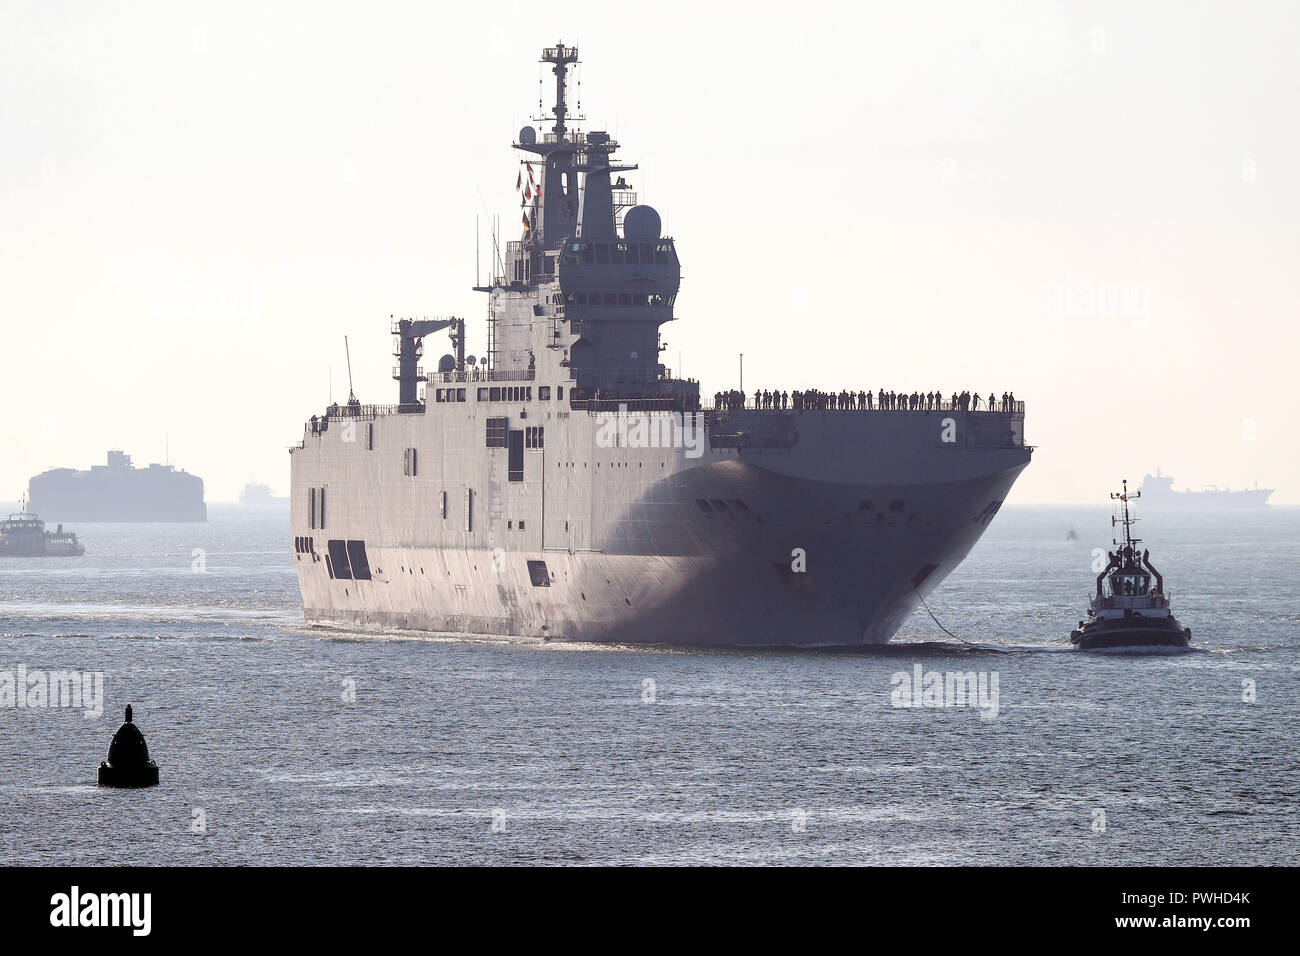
(570, 487)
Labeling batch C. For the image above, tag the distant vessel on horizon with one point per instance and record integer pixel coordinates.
(258, 495)
(118, 491)
(23, 535)
(1158, 492)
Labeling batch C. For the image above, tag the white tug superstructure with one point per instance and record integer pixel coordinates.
(571, 487)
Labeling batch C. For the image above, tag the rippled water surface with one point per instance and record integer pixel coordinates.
(467, 751)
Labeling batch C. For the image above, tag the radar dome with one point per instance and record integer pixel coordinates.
(641, 222)
(528, 135)
(447, 363)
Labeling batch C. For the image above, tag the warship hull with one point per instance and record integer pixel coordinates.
(572, 488)
(821, 544)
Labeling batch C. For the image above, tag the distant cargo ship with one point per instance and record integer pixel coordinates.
(1158, 492)
(256, 495)
(118, 491)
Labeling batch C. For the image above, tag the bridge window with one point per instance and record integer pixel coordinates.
(586, 253)
(544, 393)
(618, 253)
(632, 257)
(602, 254)
(624, 298)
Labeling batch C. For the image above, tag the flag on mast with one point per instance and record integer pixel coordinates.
(527, 226)
(519, 180)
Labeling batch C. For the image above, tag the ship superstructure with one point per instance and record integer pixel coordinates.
(572, 487)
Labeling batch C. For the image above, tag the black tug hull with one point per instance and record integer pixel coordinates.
(1130, 632)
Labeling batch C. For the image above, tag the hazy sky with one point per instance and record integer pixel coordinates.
(1094, 205)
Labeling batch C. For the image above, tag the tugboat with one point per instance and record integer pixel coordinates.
(23, 535)
(1135, 612)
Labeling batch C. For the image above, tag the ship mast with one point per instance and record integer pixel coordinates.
(561, 56)
(1125, 497)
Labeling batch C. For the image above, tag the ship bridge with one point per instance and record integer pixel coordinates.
(581, 296)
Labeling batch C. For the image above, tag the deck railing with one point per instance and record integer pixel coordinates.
(1016, 409)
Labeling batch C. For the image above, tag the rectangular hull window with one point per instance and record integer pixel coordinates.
(338, 565)
(357, 558)
(538, 574)
(516, 464)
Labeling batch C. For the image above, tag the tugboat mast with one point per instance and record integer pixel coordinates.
(1125, 497)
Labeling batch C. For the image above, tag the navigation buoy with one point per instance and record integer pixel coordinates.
(128, 763)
